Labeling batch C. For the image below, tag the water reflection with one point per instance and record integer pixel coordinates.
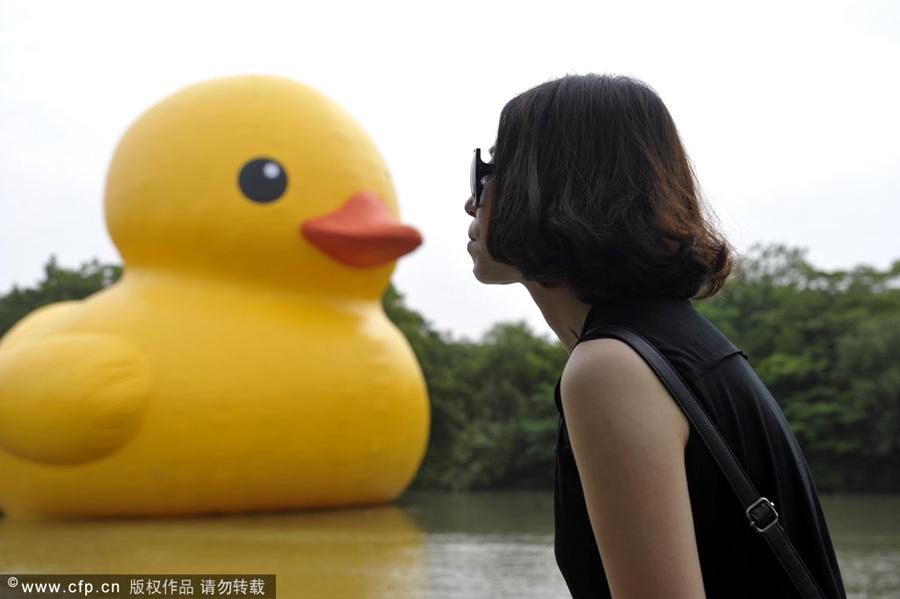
(430, 546)
(866, 534)
(360, 553)
(489, 545)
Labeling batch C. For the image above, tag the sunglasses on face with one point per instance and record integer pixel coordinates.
(479, 171)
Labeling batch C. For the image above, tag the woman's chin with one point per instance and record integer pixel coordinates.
(491, 272)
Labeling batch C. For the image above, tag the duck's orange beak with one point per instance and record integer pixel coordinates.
(362, 233)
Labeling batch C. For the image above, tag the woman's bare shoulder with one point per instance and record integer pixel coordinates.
(609, 374)
(628, 437)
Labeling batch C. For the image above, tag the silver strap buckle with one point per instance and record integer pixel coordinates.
(762, 515)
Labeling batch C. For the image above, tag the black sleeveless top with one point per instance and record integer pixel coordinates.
(735, 560)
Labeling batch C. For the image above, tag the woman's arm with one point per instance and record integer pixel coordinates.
(628, 436)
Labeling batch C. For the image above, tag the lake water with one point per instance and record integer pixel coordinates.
(427, 546)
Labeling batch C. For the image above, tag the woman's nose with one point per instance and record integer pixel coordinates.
(470, 206)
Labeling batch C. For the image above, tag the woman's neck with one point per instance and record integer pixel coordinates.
(562, 310)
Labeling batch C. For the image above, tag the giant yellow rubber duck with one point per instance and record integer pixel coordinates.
(243, 362)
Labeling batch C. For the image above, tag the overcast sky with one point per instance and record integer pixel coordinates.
(788, 109)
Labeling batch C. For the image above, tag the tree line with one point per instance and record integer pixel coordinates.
(826, 343)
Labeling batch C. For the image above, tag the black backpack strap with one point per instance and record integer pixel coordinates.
(759, 511)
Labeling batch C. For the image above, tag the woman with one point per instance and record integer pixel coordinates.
(590, 202)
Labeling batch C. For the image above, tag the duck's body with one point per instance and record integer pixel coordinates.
(206, 385)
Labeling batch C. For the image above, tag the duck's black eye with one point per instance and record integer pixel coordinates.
(263, 180)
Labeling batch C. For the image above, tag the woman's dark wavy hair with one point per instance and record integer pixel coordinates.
(593, 190)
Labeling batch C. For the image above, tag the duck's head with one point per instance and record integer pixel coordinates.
(256, 178)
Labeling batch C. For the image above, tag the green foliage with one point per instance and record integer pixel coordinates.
(826, 344)
(59, 285)
(869, 359)
(493, 417)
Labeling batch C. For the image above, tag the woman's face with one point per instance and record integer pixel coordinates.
(486, 269)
